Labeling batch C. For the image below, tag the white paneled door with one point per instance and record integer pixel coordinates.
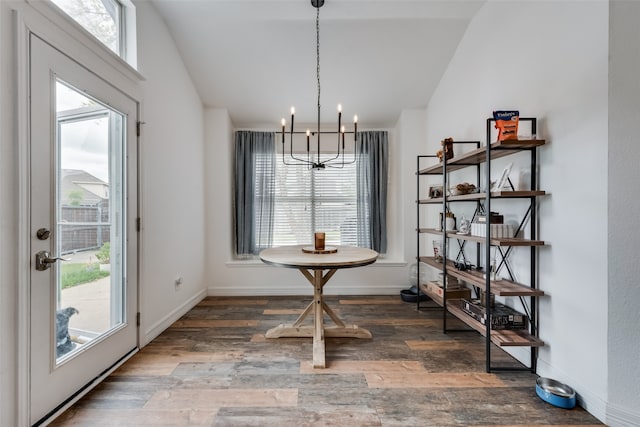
(83, 205)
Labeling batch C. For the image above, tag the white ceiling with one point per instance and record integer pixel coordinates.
(256, 58)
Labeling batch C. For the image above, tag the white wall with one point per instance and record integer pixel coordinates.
(624, 235)
(226, 276)
(172, 178)
(218, 157)
(549, 60)
(411, 131)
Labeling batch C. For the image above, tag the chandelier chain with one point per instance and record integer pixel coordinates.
(318, 58)
(337, 161)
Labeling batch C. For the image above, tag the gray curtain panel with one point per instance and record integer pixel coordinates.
(254, 191)
(372, 171)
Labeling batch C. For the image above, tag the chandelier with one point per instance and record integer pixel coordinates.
(336, 160)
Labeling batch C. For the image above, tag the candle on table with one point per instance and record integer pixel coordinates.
(319, 241)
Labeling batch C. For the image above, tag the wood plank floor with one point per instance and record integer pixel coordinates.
(214, 367)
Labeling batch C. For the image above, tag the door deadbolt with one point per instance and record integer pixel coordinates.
(43, 234)
(43, 262)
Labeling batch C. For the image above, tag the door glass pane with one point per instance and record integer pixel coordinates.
(89, 202)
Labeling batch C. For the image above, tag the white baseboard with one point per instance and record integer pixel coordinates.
(521, 354)
(622, 417)
(595, 405)
(302, 289)
(157, 328)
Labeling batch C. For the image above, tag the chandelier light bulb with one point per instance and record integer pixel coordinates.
(339, 108)
(355, 127)
(293, 110)
(283, 122)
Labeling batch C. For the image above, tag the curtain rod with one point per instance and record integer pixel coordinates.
(315, 132)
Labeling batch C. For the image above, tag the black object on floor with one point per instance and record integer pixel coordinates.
(411, 295)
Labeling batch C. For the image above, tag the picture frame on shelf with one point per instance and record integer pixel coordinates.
(435, 191)
(504, 178)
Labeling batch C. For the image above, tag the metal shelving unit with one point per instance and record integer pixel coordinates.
(482, 157)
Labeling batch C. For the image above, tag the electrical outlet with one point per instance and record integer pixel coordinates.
(178, 283)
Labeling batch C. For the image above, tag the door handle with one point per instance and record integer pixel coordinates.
(43, 261)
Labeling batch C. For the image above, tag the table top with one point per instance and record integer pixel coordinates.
(294, 257)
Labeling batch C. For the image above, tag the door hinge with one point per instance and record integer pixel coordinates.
(138, 224)
(138, 319)
(138, 126)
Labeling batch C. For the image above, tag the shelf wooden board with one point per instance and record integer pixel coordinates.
(504, 288)
(435, 297)
(501, 338)
(474, 197)
(502, 241)
(428, 231)
(478, 156)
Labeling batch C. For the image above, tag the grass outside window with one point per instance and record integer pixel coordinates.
(79, 273)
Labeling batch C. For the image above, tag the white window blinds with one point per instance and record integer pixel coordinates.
(307, 201)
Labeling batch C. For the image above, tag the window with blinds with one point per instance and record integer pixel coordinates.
(307, 201)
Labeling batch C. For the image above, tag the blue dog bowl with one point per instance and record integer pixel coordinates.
(556, 393)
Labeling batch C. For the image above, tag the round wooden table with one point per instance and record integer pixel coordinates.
(312, 266)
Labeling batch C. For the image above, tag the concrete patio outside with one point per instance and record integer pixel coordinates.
(92, 300)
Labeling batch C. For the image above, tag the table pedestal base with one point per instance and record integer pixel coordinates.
(318, 331)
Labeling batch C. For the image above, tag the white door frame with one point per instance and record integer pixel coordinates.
(45, 21)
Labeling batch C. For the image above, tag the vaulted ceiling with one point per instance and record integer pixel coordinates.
(257, 58)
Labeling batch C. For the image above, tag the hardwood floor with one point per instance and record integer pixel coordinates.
(214, 367)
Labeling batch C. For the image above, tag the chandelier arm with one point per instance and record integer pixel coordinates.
(291, 146)
(325, 161)
(291, 152)
(297, 160)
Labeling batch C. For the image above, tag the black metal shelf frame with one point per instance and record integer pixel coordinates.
(484, 206)
(533, 319)
(418, 158)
